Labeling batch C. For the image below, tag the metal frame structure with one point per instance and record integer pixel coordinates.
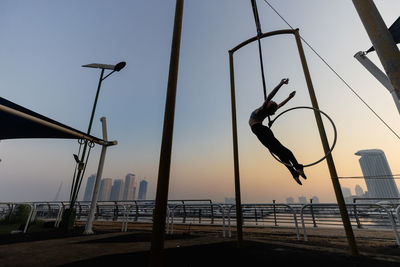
(381, 39)
(334, 135)
(321, 129)
(378, 74)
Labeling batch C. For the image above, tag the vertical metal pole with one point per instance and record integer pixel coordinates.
(77, 180)
(356, 213)
(381, 39)
(255, 215)
(312, 213)
(239, 217)
(160, 210)
(95, 102)
(329, 159)
(275, 221)
(184, 212)
(95, 195)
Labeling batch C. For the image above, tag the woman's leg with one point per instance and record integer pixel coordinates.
(286, 155)
(289, 166)
(267, 138)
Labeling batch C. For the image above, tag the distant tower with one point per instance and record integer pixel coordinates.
(346, 192)
(373, 163)
(230, 200)
(130, 187)
(105, 189)
(58, 192)
(89, 188)
(359, 191)
(289, 200)
(117, 190)
(302, 200)
(142, 190)
(315, 200)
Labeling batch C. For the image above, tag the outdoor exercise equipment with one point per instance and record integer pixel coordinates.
(321, 129)
(326, 116)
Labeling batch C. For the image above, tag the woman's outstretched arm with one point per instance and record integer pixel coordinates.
(291, 95)
(276, 89)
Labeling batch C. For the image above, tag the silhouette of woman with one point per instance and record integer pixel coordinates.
(267, 138)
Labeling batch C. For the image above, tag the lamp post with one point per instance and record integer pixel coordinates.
(77, 180)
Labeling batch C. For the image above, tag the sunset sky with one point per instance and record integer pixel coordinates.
(44, 44)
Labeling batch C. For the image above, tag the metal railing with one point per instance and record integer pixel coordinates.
(382, 215)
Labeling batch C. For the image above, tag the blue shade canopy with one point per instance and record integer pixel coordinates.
(19, 122)
(394, 31)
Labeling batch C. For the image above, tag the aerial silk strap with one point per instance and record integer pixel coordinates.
(259, 33)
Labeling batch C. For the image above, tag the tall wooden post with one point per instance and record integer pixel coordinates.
(161, 204)
(329, 159)
(239, 218)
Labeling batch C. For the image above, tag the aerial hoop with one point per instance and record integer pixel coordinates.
(323, 113)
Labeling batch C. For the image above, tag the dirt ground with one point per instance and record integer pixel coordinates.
(198, 246)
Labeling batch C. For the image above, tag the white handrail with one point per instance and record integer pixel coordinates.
(389, 214)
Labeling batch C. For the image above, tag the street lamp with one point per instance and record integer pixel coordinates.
(103, 67)
(77, 180)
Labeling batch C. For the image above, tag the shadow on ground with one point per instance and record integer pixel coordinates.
(137, 237)
(46, 234)
(227, 254)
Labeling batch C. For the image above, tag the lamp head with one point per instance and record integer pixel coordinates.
(120, 66)
(117, 67)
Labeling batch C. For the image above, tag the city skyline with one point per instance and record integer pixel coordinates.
(116, 189)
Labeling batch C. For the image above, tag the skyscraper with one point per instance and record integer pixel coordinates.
(315, 200)
(130, 187)
(117, 190)
(359, 190)
(373, 163)
(89, 188)
(289, 200)
(142, 190)
(302, 200)
(105, 189)
(346, 192)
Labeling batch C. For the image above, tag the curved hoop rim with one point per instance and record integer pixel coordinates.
(323, 113)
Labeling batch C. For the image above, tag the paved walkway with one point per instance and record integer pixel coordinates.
(261, 244)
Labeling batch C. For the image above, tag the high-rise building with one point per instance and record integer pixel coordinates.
(230, 200)
(117, 190)
(377, 174)
(315, 200)
(302, 200)
(142, 190)
(346, 192)
(89, 188)
(289, 200)
(105, 189)
(130, 187)
(347, 195)
(359, 191)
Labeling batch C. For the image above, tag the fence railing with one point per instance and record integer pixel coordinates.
(381, 215)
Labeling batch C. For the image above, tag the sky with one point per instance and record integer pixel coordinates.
(44, 44)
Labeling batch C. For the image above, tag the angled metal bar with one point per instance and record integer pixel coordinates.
(379, 75)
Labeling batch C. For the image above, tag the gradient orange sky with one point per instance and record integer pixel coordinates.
(45, 43)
